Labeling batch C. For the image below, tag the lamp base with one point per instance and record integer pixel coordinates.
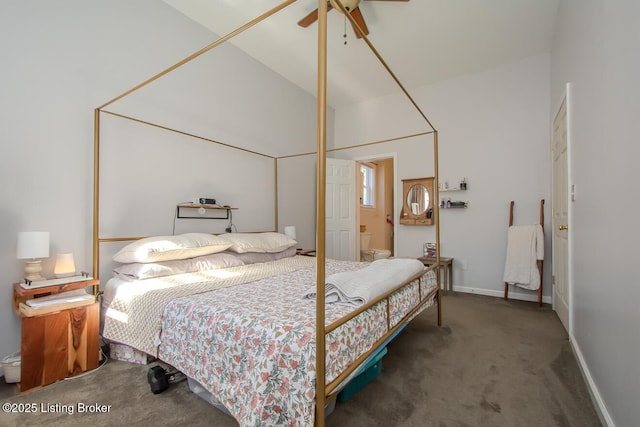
(32, 270)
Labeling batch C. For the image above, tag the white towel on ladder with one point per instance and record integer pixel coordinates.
(525, 245)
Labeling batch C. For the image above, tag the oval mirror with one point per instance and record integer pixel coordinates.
(418, 199)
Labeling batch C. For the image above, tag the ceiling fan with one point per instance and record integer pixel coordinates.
(352, 6)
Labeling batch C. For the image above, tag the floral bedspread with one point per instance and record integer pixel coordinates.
(134, 314)
(252, 346)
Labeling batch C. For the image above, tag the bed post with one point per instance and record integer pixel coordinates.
(506, 285)
(436, 204)
(96, 195)
(275, 187)
(540, 262)
(320, 212)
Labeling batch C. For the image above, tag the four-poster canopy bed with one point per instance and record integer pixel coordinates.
(330, 350)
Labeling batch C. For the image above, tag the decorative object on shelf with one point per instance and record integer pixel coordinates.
(417, 201)
(463, 184)
(290, 231)
(33, 246)
(429, 250)
(451, 204)
(65, 266)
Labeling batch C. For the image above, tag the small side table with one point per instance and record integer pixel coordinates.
(447, 267)
(306, 252)
(57, 341)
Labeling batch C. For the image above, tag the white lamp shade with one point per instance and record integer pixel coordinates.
(290, 231)
(33, 244)
(65, 266)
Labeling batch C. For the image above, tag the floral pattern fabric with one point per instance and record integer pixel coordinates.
(252, 346)
(134, 314)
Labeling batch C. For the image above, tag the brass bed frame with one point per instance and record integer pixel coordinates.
(324, 392)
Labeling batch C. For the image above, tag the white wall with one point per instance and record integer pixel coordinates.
(596, 51)
(494, 131)
(297, 198)
(63, 59)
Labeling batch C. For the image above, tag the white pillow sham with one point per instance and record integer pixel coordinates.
(257, 257)
(259, 242)
(141, 271)
(166, 248)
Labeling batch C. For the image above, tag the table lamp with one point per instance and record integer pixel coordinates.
(33, 245)
(65, 266)
(290, 231)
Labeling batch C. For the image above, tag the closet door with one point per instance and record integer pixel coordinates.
(560, 224)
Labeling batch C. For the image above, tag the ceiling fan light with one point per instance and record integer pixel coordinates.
(348, 4)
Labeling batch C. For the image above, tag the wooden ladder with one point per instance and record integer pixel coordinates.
(540, 262)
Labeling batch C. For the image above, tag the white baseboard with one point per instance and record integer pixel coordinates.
(513, 294)
(601, 408)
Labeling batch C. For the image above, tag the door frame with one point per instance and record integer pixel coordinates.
(383, 156)
(566, 98)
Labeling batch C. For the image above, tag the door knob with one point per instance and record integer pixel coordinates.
(563, 227)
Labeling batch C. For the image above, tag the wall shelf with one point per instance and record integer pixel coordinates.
(198, 211)
(463, 186)
(454, 204)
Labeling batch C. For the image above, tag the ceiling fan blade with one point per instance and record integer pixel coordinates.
(357, 16)
(309, 19)
(312, 17)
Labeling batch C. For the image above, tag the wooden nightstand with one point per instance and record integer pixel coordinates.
(306, 252)
(447, 267)
(58, 341)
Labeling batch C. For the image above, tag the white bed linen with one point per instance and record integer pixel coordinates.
(359, 287)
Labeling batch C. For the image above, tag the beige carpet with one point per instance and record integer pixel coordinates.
(492, 363)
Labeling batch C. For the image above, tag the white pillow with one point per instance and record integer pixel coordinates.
(257, 257)
(166, 248)
(149, 270)
(259, 242)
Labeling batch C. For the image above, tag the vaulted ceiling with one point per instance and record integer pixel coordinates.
(422, 41)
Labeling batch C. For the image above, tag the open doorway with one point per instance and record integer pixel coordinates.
(376, 202)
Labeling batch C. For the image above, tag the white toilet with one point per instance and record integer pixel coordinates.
(369, 255)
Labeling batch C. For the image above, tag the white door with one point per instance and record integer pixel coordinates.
(341, 210)
(561, 294)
